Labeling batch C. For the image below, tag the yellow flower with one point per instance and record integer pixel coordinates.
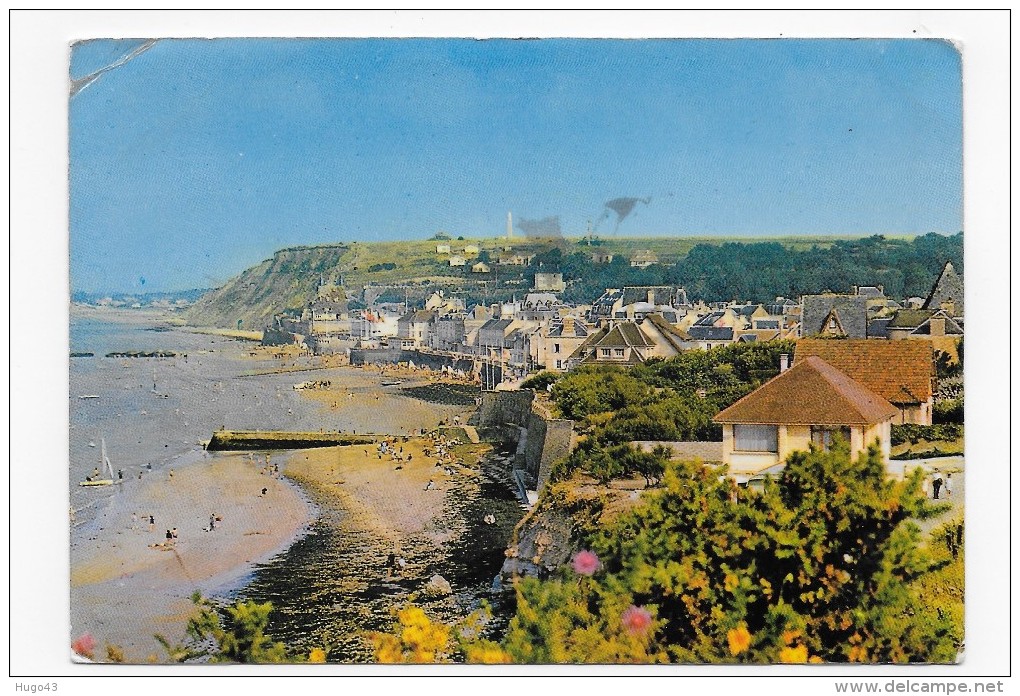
(790, 636)
(730, 582)
(797, 655)
(739, 639)
(317, 655)
(487, 655)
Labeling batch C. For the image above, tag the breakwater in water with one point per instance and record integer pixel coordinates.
(223, 440)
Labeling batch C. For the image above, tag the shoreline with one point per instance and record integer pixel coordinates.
(127, 585)
(123, 587)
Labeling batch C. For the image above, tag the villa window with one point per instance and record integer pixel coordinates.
(605, 352)
(756, 438)
(822, 436)
(618, 352)
(556, 347)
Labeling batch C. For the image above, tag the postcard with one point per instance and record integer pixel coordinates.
(516, 351)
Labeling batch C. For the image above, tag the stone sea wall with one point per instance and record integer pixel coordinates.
(395, 354)
(516, 417)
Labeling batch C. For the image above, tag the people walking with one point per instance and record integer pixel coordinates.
(936, 485)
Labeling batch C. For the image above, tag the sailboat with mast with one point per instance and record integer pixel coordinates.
(106, 469)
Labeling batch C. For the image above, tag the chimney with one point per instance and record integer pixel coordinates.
(784, 362)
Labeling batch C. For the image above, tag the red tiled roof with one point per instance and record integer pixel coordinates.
(899, 371)
(812, 392)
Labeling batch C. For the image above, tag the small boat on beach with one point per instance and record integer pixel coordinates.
(107, 468)
(89, 396)
(391, 382)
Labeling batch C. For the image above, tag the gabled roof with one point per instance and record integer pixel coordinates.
(418, 316)
(852, 311)
(952, 328)
(624, 334)
(710, 318)
(899, 371)
(633, 358)
(496, 325)
(756, 335)
(948, 288)
(711, 333)
(674, 336)
(910, 318)
(812, 392)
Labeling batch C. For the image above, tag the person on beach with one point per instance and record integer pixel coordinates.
(936, 485)
(264, 491)
(152, 523)
(174, 531)
(212, 522)
(169, 538)
(949, 485)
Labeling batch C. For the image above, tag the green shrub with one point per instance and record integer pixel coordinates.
(914, 433)
(949, 411)
(540, 381)
(824, 564)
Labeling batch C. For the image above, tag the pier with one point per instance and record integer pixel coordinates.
(224, 440)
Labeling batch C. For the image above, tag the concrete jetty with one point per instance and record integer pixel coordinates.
(274, 439)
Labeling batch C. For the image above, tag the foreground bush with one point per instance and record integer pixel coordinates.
(824, 565)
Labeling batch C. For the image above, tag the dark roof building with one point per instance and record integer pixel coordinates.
(835, 315)
(710, 333)
(947, 293)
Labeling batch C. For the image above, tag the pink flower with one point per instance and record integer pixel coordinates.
(636, 620)
(84, 645)
(586, 563)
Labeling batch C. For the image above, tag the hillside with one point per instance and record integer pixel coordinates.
(718, 268)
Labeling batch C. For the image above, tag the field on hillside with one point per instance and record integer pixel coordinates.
(410, 270)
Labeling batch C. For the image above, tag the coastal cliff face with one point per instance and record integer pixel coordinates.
(566, 513)
(287, 281)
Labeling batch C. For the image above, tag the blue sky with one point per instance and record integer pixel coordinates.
(198, 158)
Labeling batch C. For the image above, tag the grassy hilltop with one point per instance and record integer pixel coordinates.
(288, 281)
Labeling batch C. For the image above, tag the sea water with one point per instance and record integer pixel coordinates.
(157, 411)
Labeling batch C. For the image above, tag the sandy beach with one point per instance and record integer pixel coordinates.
(392, 504)
(127, 584)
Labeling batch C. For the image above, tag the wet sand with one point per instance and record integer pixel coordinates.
(127, 585)
(393, 504)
